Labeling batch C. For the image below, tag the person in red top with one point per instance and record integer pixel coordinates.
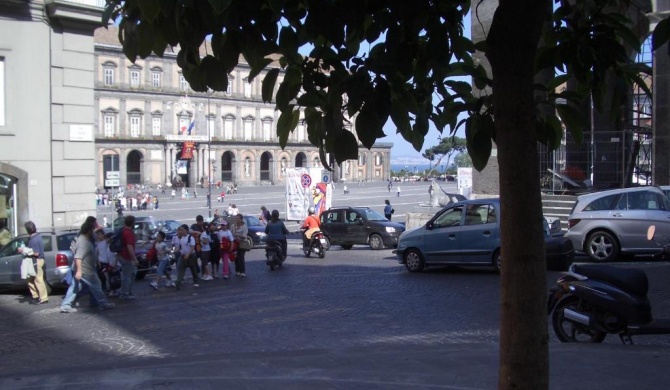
(127, 259)
(310, 225)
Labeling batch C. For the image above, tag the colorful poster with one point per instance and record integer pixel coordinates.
(187, 150)
(304, 189)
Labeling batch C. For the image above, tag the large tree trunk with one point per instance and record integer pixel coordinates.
(511, 47)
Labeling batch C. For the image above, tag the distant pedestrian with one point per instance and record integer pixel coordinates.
(162, 255)
(34, 260)
(398, 191)
(240, 232)
(226, 239)
(388, 209)
(127, 258)
(173, 193)
(187, 259)
(265, 215)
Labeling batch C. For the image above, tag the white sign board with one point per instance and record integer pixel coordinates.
(81, 133)
(465, 181)
(112, 182)
(304, 189)
(113, 175)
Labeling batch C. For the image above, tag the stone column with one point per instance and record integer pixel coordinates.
(661, 117)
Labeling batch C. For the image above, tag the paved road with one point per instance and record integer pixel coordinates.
(354, 320)
(307, 319)
(250, 199)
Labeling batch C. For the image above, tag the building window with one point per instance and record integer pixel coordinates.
(109, 125)
(361, 159)
(135, 126)
(378, 159)
(267, 129)
(109, 76)
(229, 90)
(183, 84)
(156, 124)
(2, 91)
(228, 124)
(248, 128)
(156, 77)
(184, 124)
(135, 78)
(301, 132)
(210, 126)
(247, 88)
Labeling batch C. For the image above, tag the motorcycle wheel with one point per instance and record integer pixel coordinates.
(306, 251)
(322, 250)
(571, 332)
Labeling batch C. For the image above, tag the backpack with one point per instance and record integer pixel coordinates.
(152, 254)
(116, 245)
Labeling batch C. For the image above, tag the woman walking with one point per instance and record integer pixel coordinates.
(240, 232)
(226, 240)
(388, 209)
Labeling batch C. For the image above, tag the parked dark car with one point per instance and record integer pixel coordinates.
(468, 233)
(57, 259)
(349, 226)
(145, 227)
(254, 225)
(169, 227)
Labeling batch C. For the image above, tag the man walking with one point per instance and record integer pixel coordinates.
(186, 247)
(85, 272)
(127, 259)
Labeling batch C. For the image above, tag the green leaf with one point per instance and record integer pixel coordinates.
(400, 116)
(219, 5)
(557, 81)
(368, 126)
(269, 84)
(345, 147)
(478, 132)
(110, 7)
(213, 74)
(258, 67)
(128, 36)
(289, 88)
(310, 99)
(286, 123)
(150, 9)
(574, 122)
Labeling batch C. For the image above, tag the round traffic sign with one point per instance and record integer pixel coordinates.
(325, 178)
(305, 180)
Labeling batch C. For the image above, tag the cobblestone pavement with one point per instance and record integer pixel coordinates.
(350, 301)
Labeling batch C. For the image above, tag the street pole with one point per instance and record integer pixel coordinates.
(209, 161)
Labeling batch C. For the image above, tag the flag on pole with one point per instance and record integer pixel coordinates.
(190, 127)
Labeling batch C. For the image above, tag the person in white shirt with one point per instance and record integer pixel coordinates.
(187, 258)
(226, 241)
(205, 250)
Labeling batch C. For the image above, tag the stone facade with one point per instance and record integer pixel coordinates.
(47, 149)
(146, 117)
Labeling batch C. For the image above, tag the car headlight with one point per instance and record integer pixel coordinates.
(390, 229)
(260, 234)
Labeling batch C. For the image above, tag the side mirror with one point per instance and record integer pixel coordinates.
(650, 232)
(429, 225)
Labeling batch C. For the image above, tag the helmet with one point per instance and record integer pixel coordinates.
(310, 210)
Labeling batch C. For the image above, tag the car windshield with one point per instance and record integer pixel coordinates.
(12, 247)
(372, 215)
(252, 221)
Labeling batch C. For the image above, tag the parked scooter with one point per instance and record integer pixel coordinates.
(274, 254)
(592, 300)
(316, 244)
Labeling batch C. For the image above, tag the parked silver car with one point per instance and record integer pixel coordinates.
(608, 223)
(57, 259)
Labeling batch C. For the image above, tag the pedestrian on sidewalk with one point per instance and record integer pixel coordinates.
(215, 252)
(34, 258)
(163, 261)
(226, 240)
(398, 191)
(127, 258)
(388, 209)
(240, 232)
(187, 259)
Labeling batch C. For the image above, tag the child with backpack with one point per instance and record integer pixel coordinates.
(162, 251)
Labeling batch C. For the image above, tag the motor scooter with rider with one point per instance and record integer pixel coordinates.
(275, 244)
(313, 239)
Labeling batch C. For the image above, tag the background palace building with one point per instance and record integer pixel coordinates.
(152, 128)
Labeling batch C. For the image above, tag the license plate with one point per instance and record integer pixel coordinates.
(323, 241)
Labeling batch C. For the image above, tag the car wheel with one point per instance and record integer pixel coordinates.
(347, 246)
(601, 246)
(413, 260)
(376, 242)
(497, 260)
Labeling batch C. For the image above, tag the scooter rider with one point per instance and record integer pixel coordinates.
(310, 225)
